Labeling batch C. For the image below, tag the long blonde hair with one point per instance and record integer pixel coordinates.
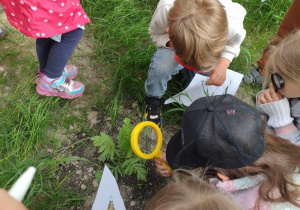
(284, 59)
(278, 163)
(198, 31)
(190, 193)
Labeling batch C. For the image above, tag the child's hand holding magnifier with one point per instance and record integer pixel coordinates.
(163, 170)
(146, 142)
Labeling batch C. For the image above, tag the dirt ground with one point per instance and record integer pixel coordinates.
(82, 180)
(135, 193)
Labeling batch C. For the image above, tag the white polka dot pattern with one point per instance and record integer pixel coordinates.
(45, 18)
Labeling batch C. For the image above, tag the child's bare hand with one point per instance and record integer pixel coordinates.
(163, 170)
(268, 96)
(217, 76)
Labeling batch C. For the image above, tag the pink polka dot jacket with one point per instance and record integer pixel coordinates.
(46, 18)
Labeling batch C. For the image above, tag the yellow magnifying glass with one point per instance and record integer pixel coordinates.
(146, 141)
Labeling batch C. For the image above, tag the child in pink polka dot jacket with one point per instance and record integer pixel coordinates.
(58, 26)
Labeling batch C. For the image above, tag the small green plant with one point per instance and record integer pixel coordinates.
(120, 159)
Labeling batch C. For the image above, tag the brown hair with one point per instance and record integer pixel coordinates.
(278, 163)
(284, 59)
(198, 32)
(190, 193)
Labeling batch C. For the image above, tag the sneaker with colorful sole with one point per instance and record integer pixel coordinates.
(61, 87)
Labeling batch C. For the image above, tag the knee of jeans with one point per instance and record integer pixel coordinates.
(164, 67)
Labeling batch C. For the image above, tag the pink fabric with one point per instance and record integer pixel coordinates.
(44, 18)
(245, 191)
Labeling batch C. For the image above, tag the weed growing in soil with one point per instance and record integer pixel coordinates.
(120, 159)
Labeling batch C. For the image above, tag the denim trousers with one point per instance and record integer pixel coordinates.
(162, 67)
(53, 55)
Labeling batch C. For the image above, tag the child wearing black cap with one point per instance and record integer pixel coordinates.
(224, 134)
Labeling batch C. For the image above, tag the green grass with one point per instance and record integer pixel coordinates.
(119, 31)
(26, 122)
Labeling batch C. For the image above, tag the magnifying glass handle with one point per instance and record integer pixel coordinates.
(168, 167)
(162, 162)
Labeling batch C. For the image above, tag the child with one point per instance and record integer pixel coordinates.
(205, 35)
(283, 106)
(225, 137)
(271, 182)
(190, 193)
(58, 26)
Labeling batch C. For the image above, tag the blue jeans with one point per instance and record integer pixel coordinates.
(53, 56)
(162, 67)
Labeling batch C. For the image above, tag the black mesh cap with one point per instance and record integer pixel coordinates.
(217, 131)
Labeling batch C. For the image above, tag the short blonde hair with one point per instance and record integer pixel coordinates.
(198, 30)
(190, 193)
(284, 58)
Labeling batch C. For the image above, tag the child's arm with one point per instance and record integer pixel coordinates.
(163, 170)
(236, 35)
(159, 24)
(279, 112)
(217, 76)
(236, 32)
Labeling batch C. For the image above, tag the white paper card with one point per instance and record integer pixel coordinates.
(108, 195)
(197, 87)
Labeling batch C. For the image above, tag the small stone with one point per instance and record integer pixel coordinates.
(73, 127)
(132, 203)
(90, 169)
(92, 117)
(1, 69)
(50, 150)
(78, 172)
(95, 184)
(83, 187)
(134, 105)
(85, 177)
(83, 135)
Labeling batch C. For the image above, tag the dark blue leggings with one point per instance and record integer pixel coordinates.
(53, 56)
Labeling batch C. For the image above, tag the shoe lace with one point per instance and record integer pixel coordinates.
(67, 82)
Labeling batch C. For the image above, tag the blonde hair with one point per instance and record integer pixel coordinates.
(190, 193)
(283, 58)
(198, 30)
(278, 163)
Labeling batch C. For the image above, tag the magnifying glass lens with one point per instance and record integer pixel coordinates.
(147, 140)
